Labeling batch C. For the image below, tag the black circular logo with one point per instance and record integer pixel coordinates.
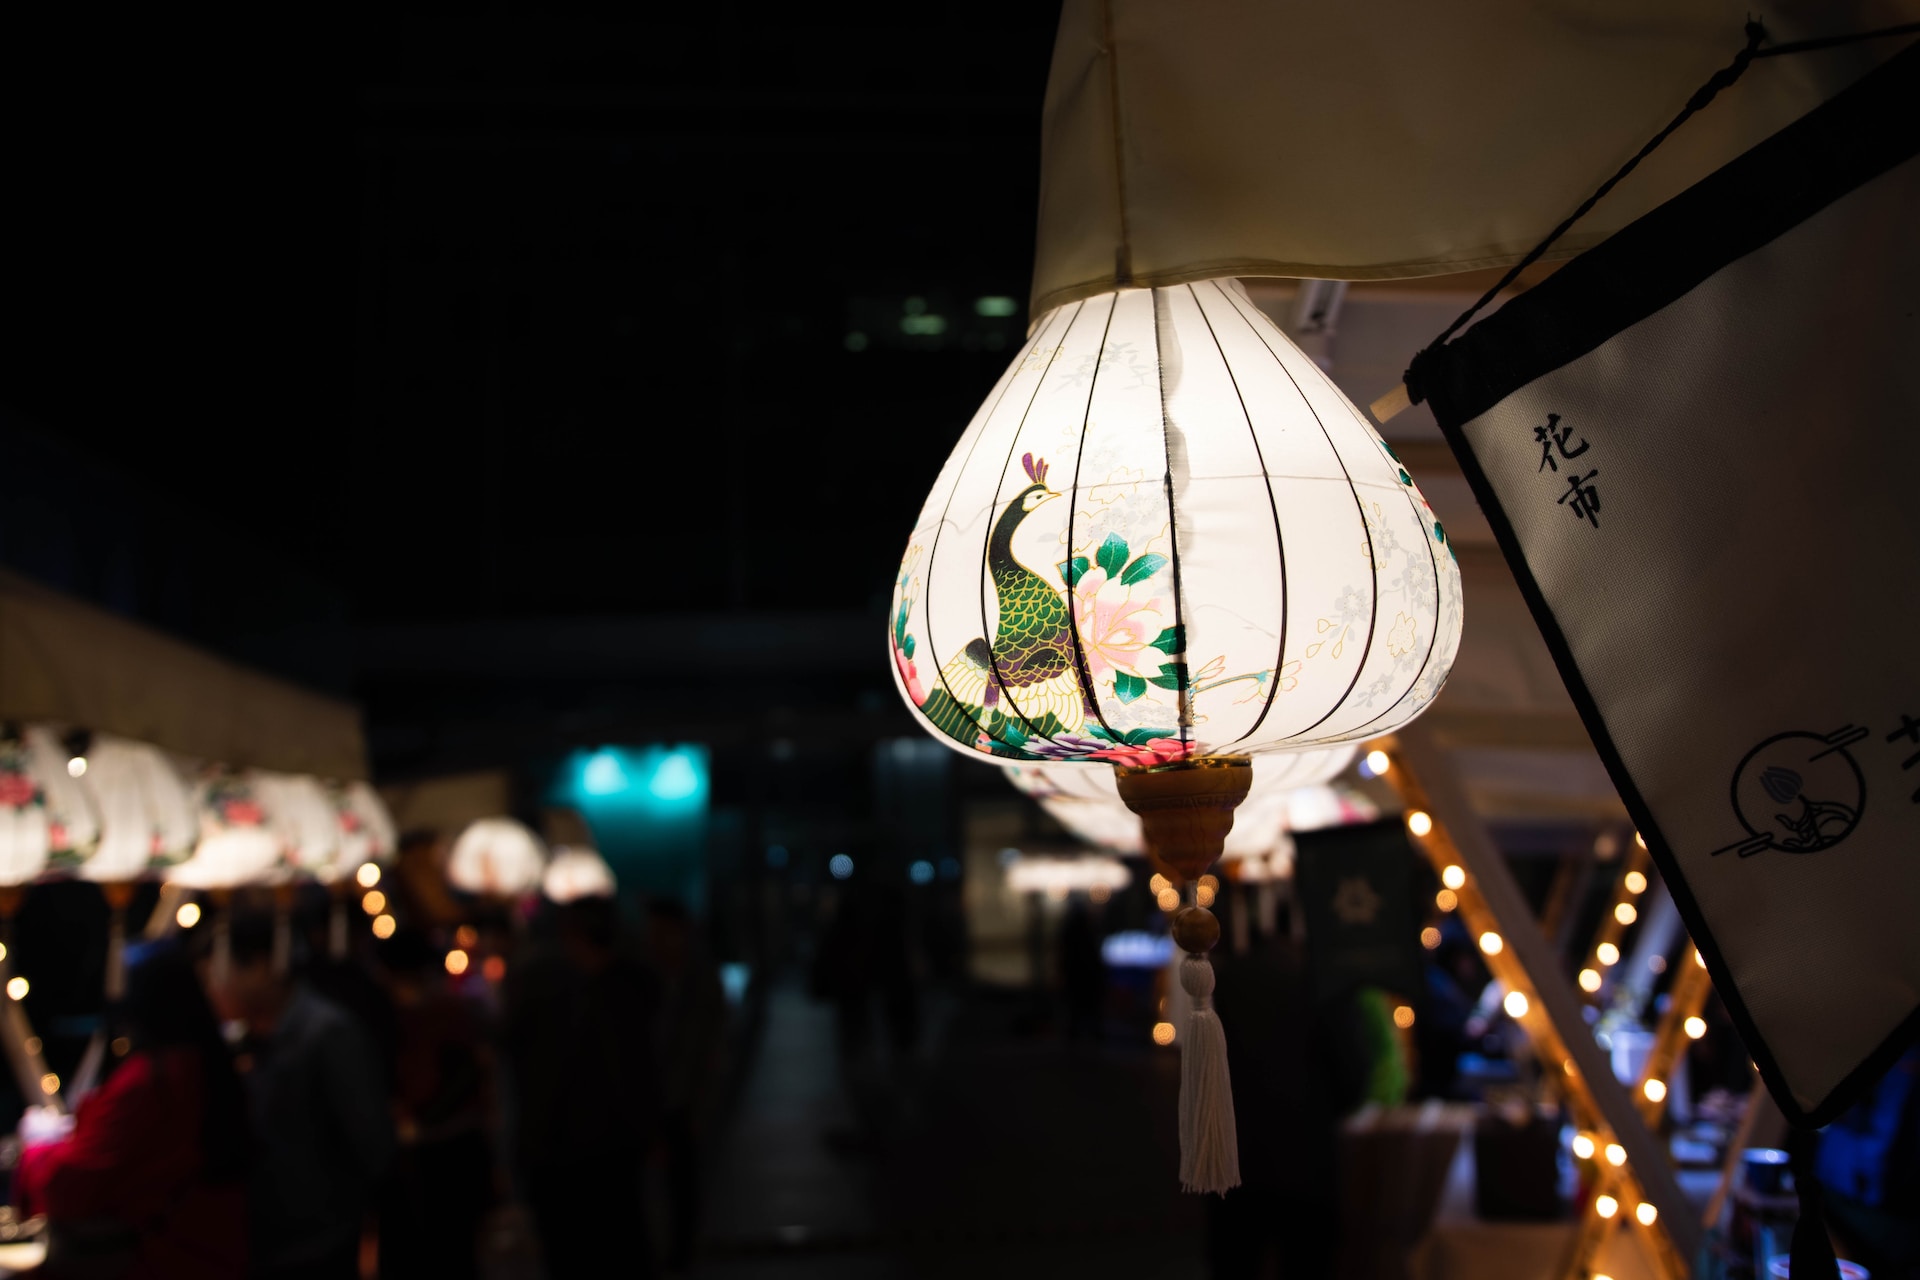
(1799, 793)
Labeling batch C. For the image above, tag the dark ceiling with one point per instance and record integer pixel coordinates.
(341, 338)
(508, 310)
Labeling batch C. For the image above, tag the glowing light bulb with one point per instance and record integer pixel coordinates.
(1378, 762)
(1169, 900)
(374, 903)
(466, 937)
(1446, 899)
(49, 1084)
(1210, 882)
(457, 961)
(1607, 954)
(1515, 1004)
(383, 927)
(17, 988)
(1159, 884)
(1491, 944)
(1695, 1027)
(368, 875)
(1430, 937)
(1202, 896)
(1636, 882)
(1419, 822)
(1583, 1146)
(1656, 1090)
(1403, 1016)
(1453, 877)
(1625, 913)
(1616, 1154)
(1163, 1033)
(1606, 1206)
(77, 767)
(188, 915)
(1646, 1213)
(1589, 980)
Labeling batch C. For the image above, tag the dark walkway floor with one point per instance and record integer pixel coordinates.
(991, 1153)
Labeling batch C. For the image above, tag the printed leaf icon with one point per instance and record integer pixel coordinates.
(1171, 676)
(1127, 686)
(1071, 571)
(1168, 641)
(1113, 555)
(906, 647)
(1142, 569)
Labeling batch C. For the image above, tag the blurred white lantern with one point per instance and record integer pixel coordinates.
(367, 833)
(1087, 801)
(577, 873)
(1167, 535)
(498, 858)
(300, 810)
(45, 820)
(147, 819)
(1065, 875)
(237, 845)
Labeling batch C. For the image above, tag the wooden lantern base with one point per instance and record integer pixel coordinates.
(1186, 810)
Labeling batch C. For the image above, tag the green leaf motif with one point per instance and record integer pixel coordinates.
(1438, 532)
(1113, 555)
(906, 647)
(1071, 571)
(1172, 676)
(1142, 569)
(1128, 687)
(900, 624)
(1168, 641)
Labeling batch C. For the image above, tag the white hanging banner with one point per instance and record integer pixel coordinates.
(1698, 446)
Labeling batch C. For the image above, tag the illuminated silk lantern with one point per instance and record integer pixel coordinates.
(1167, 543)
(46, 823)
(497, 858)
(147, 824)
(367, 838)
(577, 873)
(238, 847)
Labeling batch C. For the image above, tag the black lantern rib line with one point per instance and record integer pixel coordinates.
(986, 545)
(946, 512)
(1183, 710)
(1080, 667)
(1280, 545)
(1373, 566)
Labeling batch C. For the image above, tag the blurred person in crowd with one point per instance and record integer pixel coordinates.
(864, 960)
(1868, 1164)
(443, 1180)
(1453, 979)
(1298, 1069)
(578, 1025)
(1083, 973)
(322, 1133)
(147, 1179)
(691, 1038)
(344, 979)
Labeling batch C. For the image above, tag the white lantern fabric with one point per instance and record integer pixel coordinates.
(1166, 534)
(367, 832)
(147, 819)
(1066, 875)
(497, 857)
(237, 846)
(46, 823)
(300, 810)
(577, 873)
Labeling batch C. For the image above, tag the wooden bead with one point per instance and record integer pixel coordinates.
(1196, 929)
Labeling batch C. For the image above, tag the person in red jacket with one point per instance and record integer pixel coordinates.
(148, 1181)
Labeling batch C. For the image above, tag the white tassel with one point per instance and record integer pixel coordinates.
(1209, 1146)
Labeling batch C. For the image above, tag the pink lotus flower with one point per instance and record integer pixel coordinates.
(241, 813)
(910, 677)
(1156, 751)
(17, 790)
(1112, 633)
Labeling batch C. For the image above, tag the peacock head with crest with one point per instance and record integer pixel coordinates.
(1036, 492)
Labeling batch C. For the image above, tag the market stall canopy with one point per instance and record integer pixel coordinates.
(1358, 142)
(69, 663)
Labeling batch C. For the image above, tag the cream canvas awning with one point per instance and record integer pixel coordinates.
(1219, 138)
(69, 663)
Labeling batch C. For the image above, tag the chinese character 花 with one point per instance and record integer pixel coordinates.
(1554, 436)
